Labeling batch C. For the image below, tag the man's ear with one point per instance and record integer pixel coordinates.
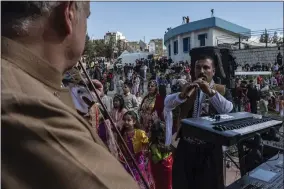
(69, 16)
(65, 17)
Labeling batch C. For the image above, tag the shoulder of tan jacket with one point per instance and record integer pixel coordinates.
(220, 89)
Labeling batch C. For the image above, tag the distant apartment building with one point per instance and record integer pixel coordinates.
(136, 46)
(156, 47)
(114, 37)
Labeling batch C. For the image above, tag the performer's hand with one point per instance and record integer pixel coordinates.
(187, 90)
(99, 88)
(204, 86)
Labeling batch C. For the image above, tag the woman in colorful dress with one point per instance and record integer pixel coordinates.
(137, 142)
(152, 106)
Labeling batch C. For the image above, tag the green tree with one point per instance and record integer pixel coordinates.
(89, 49)
(280, 41)
(275, 37)
(109, 47)
(86, 42)
(119, 47)
(261, 39)
(99, 47)
(265, 37)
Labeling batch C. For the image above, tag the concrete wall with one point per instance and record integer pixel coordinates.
(252, 56)
(221, 36)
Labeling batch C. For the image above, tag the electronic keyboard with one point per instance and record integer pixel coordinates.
(268, 175)
(227, 129)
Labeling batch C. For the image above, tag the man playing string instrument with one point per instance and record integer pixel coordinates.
(45, 143)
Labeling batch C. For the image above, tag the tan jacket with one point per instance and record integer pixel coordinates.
(45, 143)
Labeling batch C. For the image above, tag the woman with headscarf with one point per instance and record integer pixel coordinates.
(151, 108)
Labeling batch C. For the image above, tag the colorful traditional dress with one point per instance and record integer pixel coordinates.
(281, 107)
(117, 116)
(137, 142)
(161, 166)
(103, 128)
(151, 109)
(146, 112)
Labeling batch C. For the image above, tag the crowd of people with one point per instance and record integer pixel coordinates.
(140, 113)
(145, 115)
(263, 94)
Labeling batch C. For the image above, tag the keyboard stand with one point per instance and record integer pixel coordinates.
(231, 159)
(227, 155)
(245, 164)
(241, 154)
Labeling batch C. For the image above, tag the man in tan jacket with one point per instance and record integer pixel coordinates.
(45, 143)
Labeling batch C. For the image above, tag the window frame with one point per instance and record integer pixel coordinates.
(188, 44)
(175, 47)
(202, 39)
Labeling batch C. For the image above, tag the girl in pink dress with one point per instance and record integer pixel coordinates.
(137, 142)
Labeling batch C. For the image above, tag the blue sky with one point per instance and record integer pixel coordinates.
(150, 19)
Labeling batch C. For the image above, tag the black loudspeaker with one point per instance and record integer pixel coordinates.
(224, 63)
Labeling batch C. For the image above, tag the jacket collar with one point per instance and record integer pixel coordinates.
(30, 63)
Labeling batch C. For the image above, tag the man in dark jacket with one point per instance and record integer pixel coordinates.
(253, 97)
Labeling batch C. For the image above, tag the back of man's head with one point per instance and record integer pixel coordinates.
(55, 30)
(18, 16)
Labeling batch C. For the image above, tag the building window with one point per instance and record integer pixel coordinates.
(186, 44)
(176, 47)
(202, 38)
(170, 50)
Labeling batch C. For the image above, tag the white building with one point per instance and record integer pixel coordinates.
(152, 47)
(207, 32)
(115, 36)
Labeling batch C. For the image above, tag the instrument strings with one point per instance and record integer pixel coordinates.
(124, 145)
(120, 153)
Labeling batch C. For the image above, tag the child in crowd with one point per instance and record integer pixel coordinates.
(130, 101)
(118, 111)
(139, 98)
(119, 85)
(136, 83)
(107, 101)
(137, 142)
(161, 157)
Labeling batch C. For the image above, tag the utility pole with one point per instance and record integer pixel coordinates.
(144, 39)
